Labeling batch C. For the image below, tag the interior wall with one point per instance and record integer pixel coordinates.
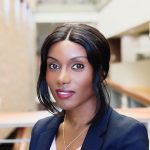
(119, 16)
(134, 48)
(17, 59)
(132, 74)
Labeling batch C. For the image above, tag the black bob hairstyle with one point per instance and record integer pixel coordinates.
(98, 55)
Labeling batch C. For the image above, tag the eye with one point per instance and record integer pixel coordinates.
(53, 66)
(78, 66)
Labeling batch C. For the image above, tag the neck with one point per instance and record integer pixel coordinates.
(79, 117)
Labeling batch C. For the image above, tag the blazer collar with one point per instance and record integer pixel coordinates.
(95, 136)
(46, 137)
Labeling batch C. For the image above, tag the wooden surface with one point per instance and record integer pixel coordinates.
(22, 134)
(141, 114)
(140, 93)
(21, 119)
(28, 119)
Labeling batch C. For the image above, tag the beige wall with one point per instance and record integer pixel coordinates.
(122, 15)
(133, 74)
(17, 62)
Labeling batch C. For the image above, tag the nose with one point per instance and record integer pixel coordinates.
(63, 77)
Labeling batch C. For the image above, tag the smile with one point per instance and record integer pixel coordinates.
(64, 94)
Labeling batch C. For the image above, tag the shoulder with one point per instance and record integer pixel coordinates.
(46, 123)
(122, 121)
(127, 133)
(42, 124)
(39, 127)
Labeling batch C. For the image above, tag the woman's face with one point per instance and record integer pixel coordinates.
(69, 76)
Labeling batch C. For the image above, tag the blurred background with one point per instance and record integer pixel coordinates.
(24, 24)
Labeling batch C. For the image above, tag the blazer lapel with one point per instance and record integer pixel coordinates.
(46, 137)
(95, 136)
(92, 141)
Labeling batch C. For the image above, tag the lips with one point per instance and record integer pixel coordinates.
(64, 94)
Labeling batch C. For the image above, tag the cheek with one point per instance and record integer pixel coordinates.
(49, 79)
(85, 82)
(50, 83)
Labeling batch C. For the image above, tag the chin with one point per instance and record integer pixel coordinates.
(68, 104)
(66, 107)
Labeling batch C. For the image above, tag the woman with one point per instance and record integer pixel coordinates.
(74, 66)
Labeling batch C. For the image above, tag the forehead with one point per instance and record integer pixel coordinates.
(66, 49)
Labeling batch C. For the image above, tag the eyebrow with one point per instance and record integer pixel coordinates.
(74, 58)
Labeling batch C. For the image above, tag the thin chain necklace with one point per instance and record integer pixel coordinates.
(74, 140)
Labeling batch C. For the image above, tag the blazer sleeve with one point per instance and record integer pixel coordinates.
(136, 138)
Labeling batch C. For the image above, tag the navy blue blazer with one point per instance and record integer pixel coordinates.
(113, 132)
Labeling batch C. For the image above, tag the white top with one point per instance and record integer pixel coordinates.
(53, 146)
